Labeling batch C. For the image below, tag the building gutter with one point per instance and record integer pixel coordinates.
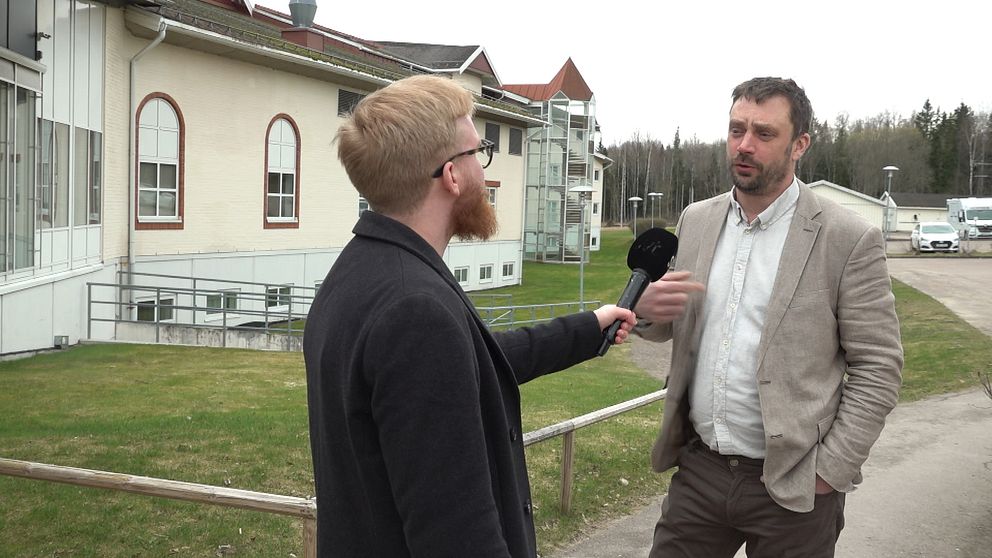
(277, 58)
(139, 21)
(132, 209)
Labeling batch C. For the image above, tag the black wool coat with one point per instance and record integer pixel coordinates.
(414, 406)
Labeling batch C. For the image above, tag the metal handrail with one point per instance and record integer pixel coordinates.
(551, 310)
(294, 308)
(195, 279)
(292, 312)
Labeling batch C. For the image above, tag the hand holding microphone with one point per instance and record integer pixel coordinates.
(648, 260)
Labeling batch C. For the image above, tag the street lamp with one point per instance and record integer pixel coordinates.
(584, 192)
(889, 171)
(654, 197)
(634, 200)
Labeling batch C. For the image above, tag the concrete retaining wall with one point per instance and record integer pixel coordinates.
(207, 337)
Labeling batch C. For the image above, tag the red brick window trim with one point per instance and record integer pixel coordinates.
(491, 186)
(159, 164)
(281, 179)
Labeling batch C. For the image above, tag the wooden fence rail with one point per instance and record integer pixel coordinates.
(567, 430)
(300, 508)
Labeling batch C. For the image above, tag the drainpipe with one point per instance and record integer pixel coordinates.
(131, 205)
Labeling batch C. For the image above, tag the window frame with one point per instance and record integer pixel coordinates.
(157, 222)
(494, 139)
(458, 270)
(94, 186)
(347, 113)
(293, 222)
(279, 296)
(20, 136)
(510, 144)
(483, 277)
(510, 275)
(156, 304)
(214, 312)
(87, 191)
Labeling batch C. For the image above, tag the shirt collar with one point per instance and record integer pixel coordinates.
(778, 208)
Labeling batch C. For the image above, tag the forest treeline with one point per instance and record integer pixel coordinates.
(936, 151)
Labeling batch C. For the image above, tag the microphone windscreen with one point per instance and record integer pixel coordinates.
(652, 251)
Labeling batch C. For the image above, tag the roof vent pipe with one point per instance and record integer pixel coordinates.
(302, 12)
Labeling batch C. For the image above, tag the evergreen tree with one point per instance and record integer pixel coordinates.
(965, 135)
(943, 152)
(840, 170)
(926, 120)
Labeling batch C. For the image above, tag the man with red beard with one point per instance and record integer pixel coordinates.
(783, 372)
(414, 407)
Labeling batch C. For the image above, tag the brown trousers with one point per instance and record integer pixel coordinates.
(716, 503)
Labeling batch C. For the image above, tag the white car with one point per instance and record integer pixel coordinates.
(934, 236)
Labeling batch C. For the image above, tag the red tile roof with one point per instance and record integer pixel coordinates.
(568, 80)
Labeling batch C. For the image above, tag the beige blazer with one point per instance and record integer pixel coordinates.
(830, 356)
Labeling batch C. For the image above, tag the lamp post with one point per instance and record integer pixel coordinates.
(634, 200)
(889, 171)
(654, 201)
(584, 192)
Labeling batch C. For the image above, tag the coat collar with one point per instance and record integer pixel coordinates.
(386, 229)
(380, 227)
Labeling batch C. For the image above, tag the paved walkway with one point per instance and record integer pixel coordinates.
(928, 483)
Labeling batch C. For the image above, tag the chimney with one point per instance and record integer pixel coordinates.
(302, 11)
(302, 32)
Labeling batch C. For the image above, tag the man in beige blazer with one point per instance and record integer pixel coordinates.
(786, 352)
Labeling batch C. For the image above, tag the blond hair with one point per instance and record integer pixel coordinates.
(397, 136)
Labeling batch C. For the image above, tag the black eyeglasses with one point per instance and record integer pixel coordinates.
(485, 148)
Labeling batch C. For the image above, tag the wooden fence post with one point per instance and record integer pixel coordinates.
(567, 461)
(309, 538)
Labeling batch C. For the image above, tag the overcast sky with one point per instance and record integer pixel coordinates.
(655, 66)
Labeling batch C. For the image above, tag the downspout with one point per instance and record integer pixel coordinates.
(132, 195)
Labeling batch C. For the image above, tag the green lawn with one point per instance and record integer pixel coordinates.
(238, 418)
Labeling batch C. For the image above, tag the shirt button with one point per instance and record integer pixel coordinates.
(527, 507)
(513, 434)
(734, 462)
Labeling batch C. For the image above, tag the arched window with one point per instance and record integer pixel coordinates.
(282, 176)
(160, 157)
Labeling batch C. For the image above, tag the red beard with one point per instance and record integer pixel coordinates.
(474, 218)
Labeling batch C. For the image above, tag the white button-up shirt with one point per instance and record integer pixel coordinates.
(724, 405)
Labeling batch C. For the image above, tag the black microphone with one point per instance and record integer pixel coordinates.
(648, 260)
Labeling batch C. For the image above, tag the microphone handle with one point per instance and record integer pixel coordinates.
(638, 281)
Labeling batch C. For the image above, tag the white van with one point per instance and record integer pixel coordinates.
(972, 215)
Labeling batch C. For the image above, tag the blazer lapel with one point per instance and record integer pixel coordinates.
(795, 255)
(712, 222)
(710, 225)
